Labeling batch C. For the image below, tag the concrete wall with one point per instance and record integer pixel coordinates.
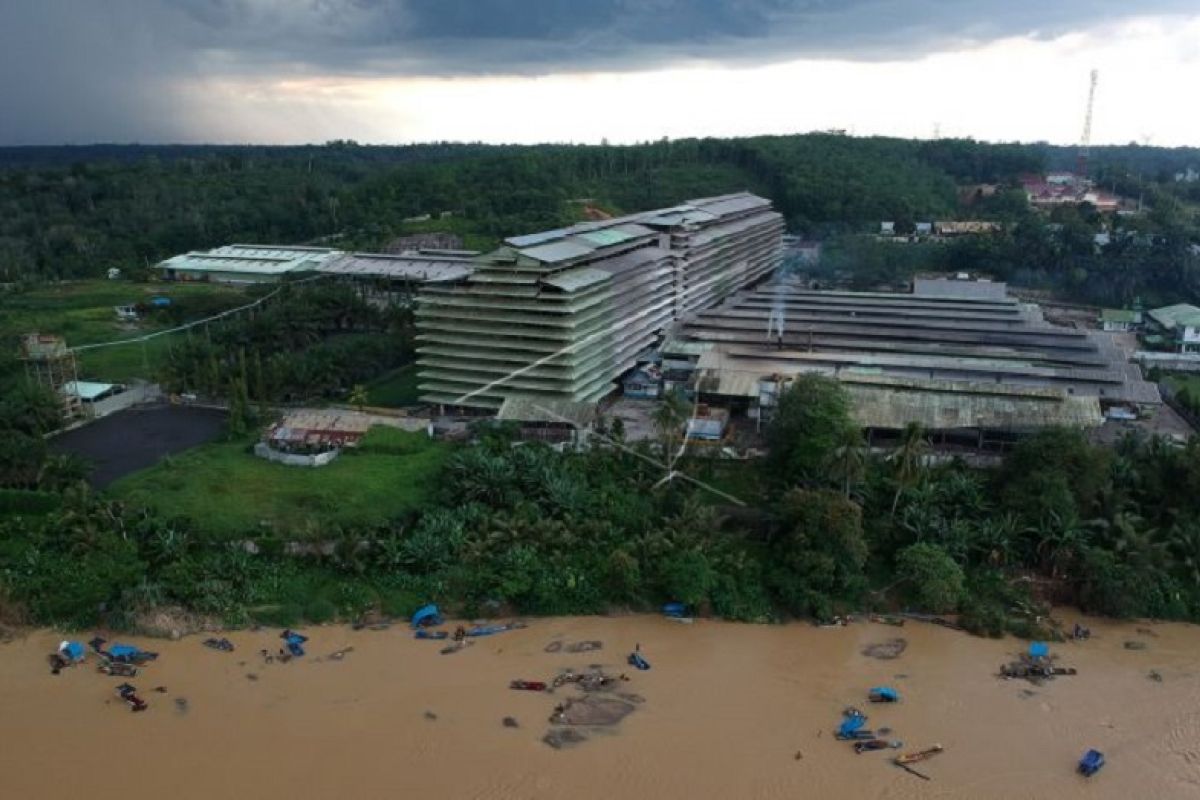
(133, 395)
(1175, 362)
(294, 459)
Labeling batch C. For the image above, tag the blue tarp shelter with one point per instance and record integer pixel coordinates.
(295, 642)
(1091, 763)
(674, 609)
(851, 724)
(883, 694)
(427, 616)
(1039, 649)
(72, 651)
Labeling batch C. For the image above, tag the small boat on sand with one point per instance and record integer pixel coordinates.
(528, 686)
(875, 744)
(920, 755)
(1091, 763)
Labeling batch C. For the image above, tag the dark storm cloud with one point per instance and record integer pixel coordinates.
(75, 70)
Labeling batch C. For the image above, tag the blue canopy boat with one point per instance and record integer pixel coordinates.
(1091, 763)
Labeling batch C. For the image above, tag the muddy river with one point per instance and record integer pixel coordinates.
(727, 711)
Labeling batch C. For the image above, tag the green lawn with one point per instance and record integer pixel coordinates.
(82, 313)
(1179, 381)
(395, 389)
(229, 492)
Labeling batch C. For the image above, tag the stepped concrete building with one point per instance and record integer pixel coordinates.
(560, 315)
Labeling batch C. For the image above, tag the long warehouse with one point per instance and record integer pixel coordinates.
(952, 355)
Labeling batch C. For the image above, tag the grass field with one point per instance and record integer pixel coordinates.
(82, 313)
(395, 389)
(1179, 381)
(230, 492)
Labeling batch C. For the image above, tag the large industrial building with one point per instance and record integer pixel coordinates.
(267, 263)
(955, 356)
(245, 263)
(560, 315)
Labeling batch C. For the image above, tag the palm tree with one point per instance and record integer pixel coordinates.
(850, 459)
(1184, 542)
(909, 458)
(1127, 535)
(358, 396)
(995, 538)
(1060, 540)
(670, 416)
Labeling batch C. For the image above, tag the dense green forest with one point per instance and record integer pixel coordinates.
(826, 527)
(74, 212)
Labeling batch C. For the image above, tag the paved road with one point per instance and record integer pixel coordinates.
(136, 438)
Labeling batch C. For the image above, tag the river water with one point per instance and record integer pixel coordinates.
(729, 711)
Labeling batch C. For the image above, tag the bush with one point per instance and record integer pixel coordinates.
(934, 581)
(320, 610)
(286, 615)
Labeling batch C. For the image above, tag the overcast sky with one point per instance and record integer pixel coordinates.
(396, 71)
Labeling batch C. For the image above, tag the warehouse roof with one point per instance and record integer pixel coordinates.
(1120, 315)
(415, 267)
(531, 408)
(1179, 314)
(889, 403)
(253, 259)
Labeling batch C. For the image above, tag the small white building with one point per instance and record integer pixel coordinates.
(1180, 324)
(1119, 320)
(887, 229)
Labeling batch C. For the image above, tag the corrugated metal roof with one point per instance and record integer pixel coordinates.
(416, 268)
(251, 259)
(604, 238)
(557, 251)
(573, 280)
(531, 408)
(1179, 314)
(935, 406)
(87, 390)
(1120, 315)
(530, 239)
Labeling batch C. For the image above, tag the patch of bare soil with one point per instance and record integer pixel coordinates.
(885, 651)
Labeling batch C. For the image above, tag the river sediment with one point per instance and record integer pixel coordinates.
(726, 711)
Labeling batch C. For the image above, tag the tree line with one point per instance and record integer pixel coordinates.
(826, 527)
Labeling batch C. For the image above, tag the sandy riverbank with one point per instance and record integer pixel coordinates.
(727, 709)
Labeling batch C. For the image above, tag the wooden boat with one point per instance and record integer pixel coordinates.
(920, 755)
(874, 744)
(528, 686)
(887, 619)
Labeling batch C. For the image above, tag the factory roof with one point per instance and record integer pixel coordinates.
(891, 403)
(251, 259)
(415, 267)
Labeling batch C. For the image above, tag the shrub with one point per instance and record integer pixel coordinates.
(934, 581)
